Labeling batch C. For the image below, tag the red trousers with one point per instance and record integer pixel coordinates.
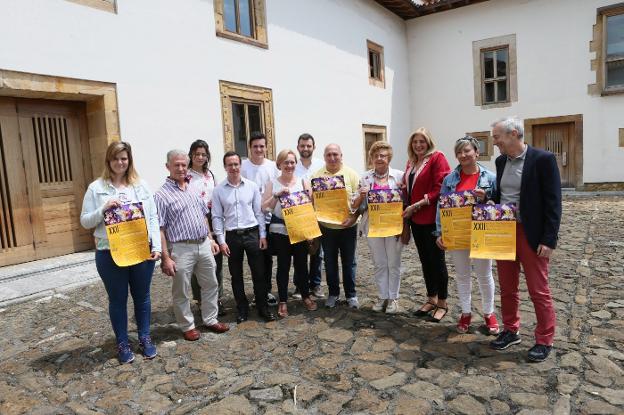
(536, 275)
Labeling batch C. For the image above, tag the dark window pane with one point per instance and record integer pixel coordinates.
(615, 73)
(240, 129)
(489, 92)
(255, 123)
(615, 36)
(229, 15)
(482, 145)
(244, 9)
(501, 91)
(501, 62)
(373, 63)
(488, 64)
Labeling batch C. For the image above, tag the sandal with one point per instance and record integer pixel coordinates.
(432, 317)
(309, 304)
(423, 313)
(282, 310)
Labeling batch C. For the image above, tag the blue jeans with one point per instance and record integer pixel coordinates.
(116, 281)
(340, 242)
(315, 268)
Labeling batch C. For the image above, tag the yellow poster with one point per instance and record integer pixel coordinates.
(493, 232)
(299, 217)
(455, 219)
(385, 207)
(127, 234)
(331, 201)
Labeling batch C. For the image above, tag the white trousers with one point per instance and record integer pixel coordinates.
(194, 259)
(483, 271)
(386, 253)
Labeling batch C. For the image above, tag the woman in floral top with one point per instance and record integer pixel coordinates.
(202, 182)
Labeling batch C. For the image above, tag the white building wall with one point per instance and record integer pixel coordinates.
(166, 60)
(553, 74)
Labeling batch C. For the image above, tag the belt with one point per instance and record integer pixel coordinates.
(244, 230)
(191, 241)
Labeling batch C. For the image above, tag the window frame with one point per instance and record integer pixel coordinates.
(479, 47)
(495, 79)
(258, 23)
(378, 50)
(231, 93)
(372, 129)
(104, 5)
(246, 103)
(603, 14)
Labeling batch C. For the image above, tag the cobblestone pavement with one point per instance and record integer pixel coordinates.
(57, 354)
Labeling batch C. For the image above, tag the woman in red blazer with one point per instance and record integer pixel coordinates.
(423, 177)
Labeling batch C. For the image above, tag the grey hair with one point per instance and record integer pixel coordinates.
(177, 153)
(509, 124)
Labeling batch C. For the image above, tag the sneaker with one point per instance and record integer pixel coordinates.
(505, 339)
(147, 348)
(491, 323)
(318, 292)
(271, 300)
(379, 305)
(124, 353)
(539, 352)
(392, 307)
(331, 301)
(353, 302)
(296, 295)
(463, 325)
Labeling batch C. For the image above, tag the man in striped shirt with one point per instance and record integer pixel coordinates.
(187, 247)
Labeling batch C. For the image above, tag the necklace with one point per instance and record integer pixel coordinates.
(381, 176)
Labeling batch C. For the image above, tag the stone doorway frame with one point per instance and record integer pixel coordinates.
(100, 99)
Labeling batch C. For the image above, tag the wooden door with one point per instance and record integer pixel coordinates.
(51, 158)
(559, 139)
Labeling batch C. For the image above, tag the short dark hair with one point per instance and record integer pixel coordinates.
(230, 154)
(306, 136)
(257, 135)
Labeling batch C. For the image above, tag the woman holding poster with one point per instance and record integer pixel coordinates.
(118, 186)
(426, 168)
(470, 176)
(385, 251)
(285, 185)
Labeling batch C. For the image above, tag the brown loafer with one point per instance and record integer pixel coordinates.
(309, 304)
(192, 335)
(218, 327)
(282, 310)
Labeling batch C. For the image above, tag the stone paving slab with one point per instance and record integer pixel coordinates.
(57, 353)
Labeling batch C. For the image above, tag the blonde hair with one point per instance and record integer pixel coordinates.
(426, 134)
(112, 151)
(378, 146)
(283, 155)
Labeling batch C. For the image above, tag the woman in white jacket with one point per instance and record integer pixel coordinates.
(119, 185)
(385, 252)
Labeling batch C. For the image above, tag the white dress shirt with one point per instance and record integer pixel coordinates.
(305, 173)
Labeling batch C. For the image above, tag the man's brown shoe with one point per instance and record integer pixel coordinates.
(192, 335)
(218, 327)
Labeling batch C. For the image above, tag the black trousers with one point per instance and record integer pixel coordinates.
(241, 244)
(432, 260)
(268, 263)
(286, 252)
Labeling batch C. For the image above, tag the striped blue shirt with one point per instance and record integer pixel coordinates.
(181, 213)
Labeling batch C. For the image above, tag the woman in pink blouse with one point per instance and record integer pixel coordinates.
(203, 182)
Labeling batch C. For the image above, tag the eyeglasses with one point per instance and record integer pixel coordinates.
(380, 156)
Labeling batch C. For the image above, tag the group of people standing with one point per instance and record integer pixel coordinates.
(193, 222)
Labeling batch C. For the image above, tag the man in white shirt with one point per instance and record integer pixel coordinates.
(239, 226)
(306, 166)
(261, 170)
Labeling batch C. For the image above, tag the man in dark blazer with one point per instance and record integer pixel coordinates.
(528, 177)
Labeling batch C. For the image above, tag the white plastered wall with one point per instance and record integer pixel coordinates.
(553, 74)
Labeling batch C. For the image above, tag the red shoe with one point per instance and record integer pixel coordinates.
(464, 323)
(218, 327)
(491, 323)
(192, 335)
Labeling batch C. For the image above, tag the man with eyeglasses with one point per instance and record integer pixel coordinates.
(528, 177)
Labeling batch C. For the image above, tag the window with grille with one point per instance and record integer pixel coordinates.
(375, 64)
(494, 69)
